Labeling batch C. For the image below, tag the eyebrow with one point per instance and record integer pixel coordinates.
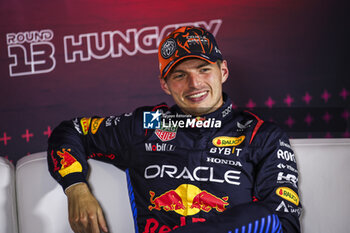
(205, 63)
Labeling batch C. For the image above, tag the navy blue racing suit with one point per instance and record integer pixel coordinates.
(228, 167)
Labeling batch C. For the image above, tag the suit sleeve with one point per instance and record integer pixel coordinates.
(74, 141)
(277, 177)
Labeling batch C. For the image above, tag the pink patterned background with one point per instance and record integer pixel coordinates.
(62, 59)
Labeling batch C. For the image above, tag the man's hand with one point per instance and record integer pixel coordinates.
(85, 213)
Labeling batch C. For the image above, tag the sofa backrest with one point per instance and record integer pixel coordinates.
(42, 204)
(8, 217)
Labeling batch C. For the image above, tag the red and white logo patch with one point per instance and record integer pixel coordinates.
(166, 133)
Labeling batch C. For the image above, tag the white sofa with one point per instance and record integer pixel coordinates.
(8, 217)
(42, 206)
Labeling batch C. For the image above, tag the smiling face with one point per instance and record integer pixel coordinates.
(196, 85)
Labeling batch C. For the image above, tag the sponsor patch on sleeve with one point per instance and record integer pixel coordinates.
(95, 124)
(69, 164)
(85, 125)
(288, 194)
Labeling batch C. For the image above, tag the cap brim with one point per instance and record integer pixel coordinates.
(168, 69)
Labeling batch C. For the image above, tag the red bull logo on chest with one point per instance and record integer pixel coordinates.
(188, 200)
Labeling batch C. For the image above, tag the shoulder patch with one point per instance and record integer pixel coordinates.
(95, 124)
(85, 124)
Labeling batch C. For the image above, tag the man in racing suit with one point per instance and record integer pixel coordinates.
(198, 166)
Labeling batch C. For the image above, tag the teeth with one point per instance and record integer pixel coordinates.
(198, 95)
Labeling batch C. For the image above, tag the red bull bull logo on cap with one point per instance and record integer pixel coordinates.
(188, 200)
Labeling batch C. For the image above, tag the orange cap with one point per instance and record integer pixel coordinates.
(186, 42)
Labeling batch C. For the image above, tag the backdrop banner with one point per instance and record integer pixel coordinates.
(64, 59)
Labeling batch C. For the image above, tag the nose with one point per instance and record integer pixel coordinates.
(194, 80)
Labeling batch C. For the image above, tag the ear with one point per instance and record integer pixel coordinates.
(164, 85)
(224, 71)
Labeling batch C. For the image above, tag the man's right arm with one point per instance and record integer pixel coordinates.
(67, 153)
(70, 144)
(73, 142)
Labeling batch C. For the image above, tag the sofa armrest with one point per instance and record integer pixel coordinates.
(8, 216)
(324, 183)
